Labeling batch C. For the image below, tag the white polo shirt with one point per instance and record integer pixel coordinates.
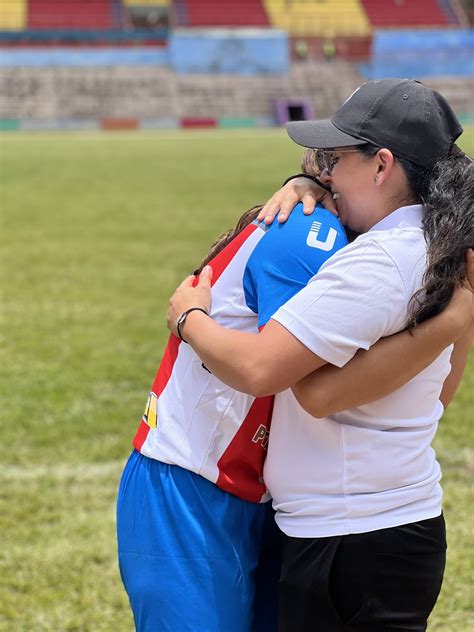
(371, 467)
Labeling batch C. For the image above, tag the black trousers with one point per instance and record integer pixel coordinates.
(382, 581)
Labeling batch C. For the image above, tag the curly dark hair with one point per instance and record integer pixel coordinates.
(447, 194)
(448, 225)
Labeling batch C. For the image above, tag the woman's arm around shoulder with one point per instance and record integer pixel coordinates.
(258, 364)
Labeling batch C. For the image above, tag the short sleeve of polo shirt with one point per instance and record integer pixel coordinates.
(358, 297)
(287, 257)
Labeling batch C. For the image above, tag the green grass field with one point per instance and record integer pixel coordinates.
(97, 230)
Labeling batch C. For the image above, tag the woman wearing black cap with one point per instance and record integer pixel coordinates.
(357, 494)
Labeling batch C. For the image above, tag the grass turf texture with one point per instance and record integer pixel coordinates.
(97, 230)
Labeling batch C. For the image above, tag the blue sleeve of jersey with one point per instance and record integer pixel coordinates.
(288, 256)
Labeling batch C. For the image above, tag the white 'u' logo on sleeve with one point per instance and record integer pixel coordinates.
(313, 241)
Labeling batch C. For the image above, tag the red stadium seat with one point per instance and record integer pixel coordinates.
(69, 14)
(404, 13)
(228, 13)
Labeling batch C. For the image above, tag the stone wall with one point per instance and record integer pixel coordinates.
(149, 92)
(156, 92)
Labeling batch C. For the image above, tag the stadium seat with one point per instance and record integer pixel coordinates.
(73, 14)
(405, 13)
(12, 15)
(228, 13)
(323, 19)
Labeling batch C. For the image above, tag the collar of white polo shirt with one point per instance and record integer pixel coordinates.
(402, 217)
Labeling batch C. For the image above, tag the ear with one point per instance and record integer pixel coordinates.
(384, 162)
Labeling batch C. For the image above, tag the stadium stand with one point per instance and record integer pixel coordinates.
(85, 23)
(199, 13)
(315, 18)
(439, 53)
(13, 15)
(122, 64)
(324, 19)
(73, 14)
(407, 13)
(159, 97)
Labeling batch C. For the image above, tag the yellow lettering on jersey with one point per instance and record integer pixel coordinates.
(150, 416)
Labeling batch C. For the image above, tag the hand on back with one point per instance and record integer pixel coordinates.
(297, 190)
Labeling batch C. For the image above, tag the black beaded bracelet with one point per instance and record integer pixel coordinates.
(182, 319)
(306, 175)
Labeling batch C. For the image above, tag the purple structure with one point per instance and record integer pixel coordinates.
(297, 109)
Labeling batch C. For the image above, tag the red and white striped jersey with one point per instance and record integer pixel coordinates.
(194, 420)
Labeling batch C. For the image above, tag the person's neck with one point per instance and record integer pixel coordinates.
(386, 206)
(378, 216)
(392, 193)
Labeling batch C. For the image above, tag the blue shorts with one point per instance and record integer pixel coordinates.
(194, 558)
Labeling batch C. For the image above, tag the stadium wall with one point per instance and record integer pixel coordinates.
(158, 97)
(64, 57)
(422, 53)
(229, 51)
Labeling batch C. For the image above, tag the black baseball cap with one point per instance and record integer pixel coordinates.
(403, 115)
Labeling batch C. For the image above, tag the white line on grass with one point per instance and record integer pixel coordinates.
(62, 470)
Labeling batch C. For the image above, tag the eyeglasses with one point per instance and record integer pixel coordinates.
(327, 158)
